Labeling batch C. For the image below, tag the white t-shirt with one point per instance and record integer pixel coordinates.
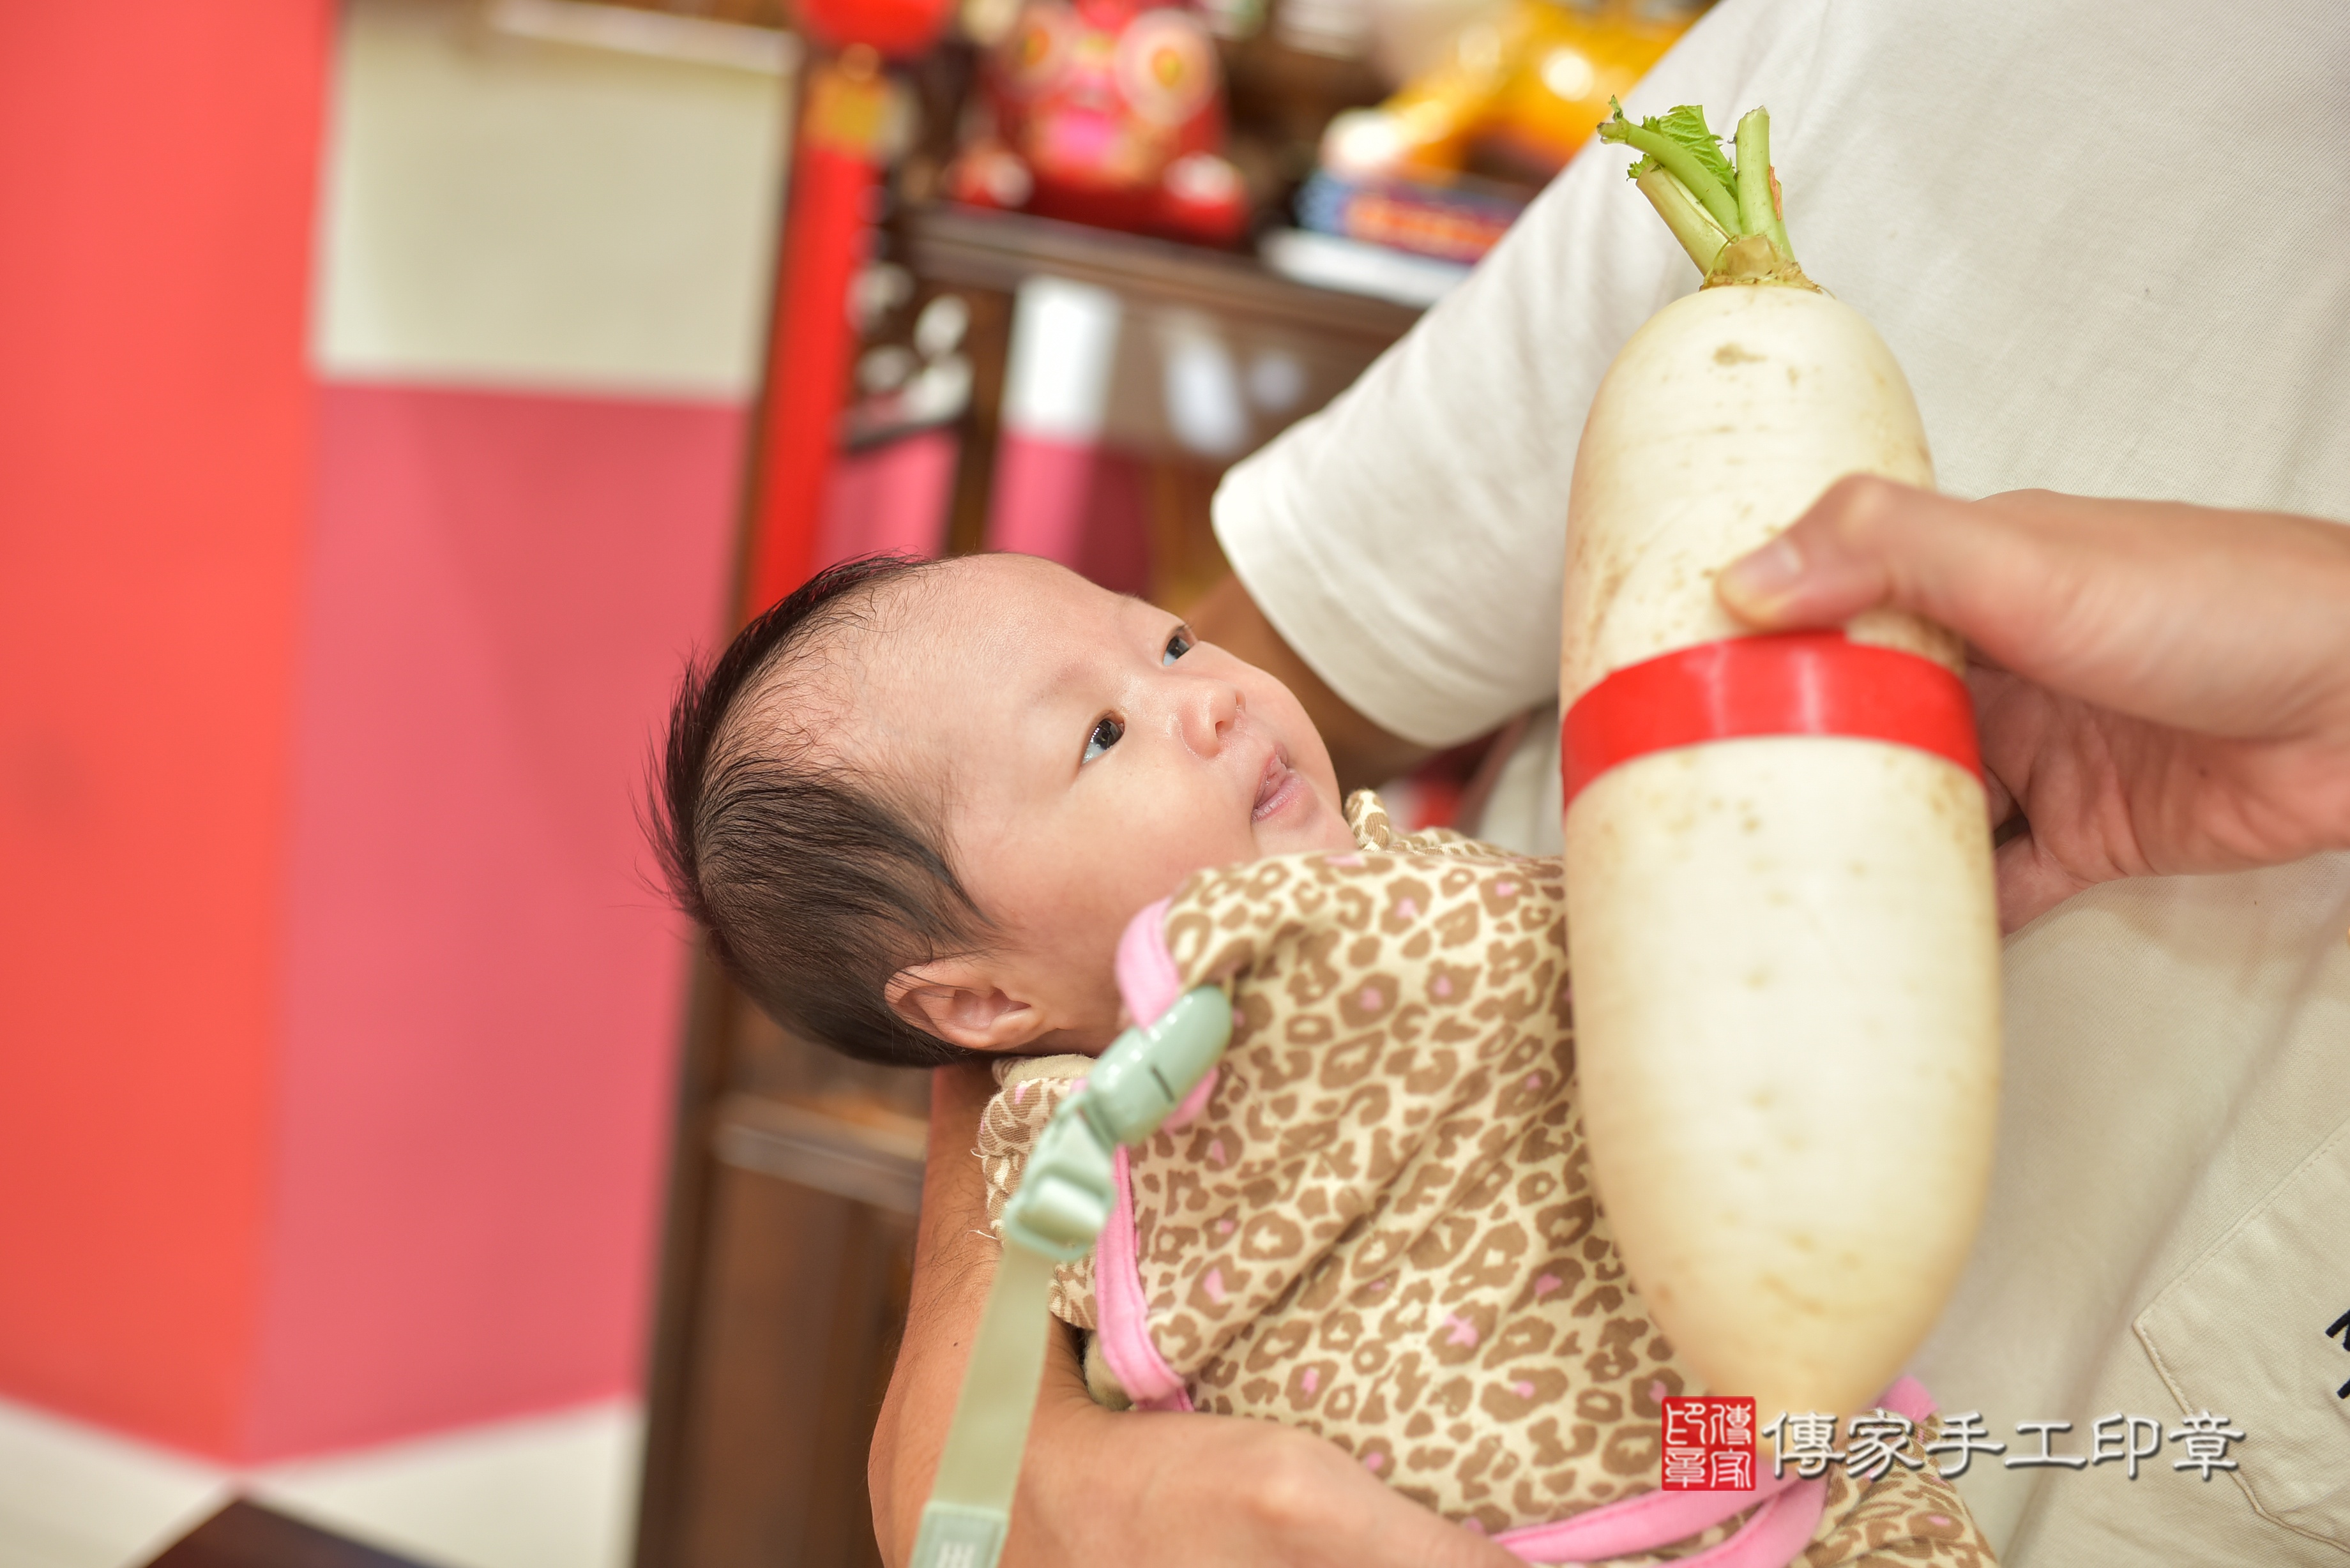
(2110, 245)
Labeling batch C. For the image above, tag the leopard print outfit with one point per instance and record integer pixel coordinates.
(1382, 1228)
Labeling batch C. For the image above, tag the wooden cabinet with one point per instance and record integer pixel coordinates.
(796, 1174)
(784, 1269)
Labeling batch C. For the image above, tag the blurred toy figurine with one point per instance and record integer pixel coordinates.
(1521, 89)
(1108, 112)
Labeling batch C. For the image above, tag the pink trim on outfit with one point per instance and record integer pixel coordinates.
(1123, 1316)
(1149, 982)
(1644, 1522)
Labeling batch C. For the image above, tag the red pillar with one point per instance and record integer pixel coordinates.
(159, 161)
(827, 235)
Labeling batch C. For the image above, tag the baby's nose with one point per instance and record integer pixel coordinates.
(1210, 714)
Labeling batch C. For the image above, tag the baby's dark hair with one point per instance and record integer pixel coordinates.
(815, 890)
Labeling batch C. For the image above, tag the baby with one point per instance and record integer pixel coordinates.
(918, 808)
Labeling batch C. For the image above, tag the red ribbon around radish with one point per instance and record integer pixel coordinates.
(1783, 683)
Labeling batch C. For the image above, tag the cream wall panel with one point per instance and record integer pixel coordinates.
(512, 211)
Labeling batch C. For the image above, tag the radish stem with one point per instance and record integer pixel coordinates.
(1758, 206)
(1726, 216)
(1685, 216)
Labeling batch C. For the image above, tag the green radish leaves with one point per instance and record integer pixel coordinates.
(1680, 145)
(1685, 127)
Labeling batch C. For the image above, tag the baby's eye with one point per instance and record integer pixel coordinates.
(1105, 733)
(1178, 646)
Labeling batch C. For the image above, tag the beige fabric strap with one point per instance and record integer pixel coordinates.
(971, 1499)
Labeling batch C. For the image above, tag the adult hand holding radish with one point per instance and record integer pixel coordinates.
(1779, 888)
(2160, 689)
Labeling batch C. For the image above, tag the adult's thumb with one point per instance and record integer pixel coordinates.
(1867, 541)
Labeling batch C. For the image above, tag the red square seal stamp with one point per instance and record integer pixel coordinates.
(1709, 1444)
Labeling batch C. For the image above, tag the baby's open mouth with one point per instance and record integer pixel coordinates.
(1276, 789)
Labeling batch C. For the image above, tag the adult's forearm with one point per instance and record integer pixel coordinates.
(953, 1262)
(1146, 1491)
(1138, 1490)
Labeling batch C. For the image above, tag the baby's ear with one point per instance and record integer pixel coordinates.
(959, 1002)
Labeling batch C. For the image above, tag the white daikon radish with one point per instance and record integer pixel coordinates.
(1784, 942)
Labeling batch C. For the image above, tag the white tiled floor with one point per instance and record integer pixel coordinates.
(551, 1491)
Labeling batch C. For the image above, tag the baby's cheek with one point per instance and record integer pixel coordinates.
(1157, 870)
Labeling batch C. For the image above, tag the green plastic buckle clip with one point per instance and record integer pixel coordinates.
(1064, 1199)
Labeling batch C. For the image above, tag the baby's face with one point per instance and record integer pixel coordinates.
(1093, 756)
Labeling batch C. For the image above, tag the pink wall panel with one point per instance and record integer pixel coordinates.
(1084, 504)
(482, 990)
(158, 166)
(894, 497)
